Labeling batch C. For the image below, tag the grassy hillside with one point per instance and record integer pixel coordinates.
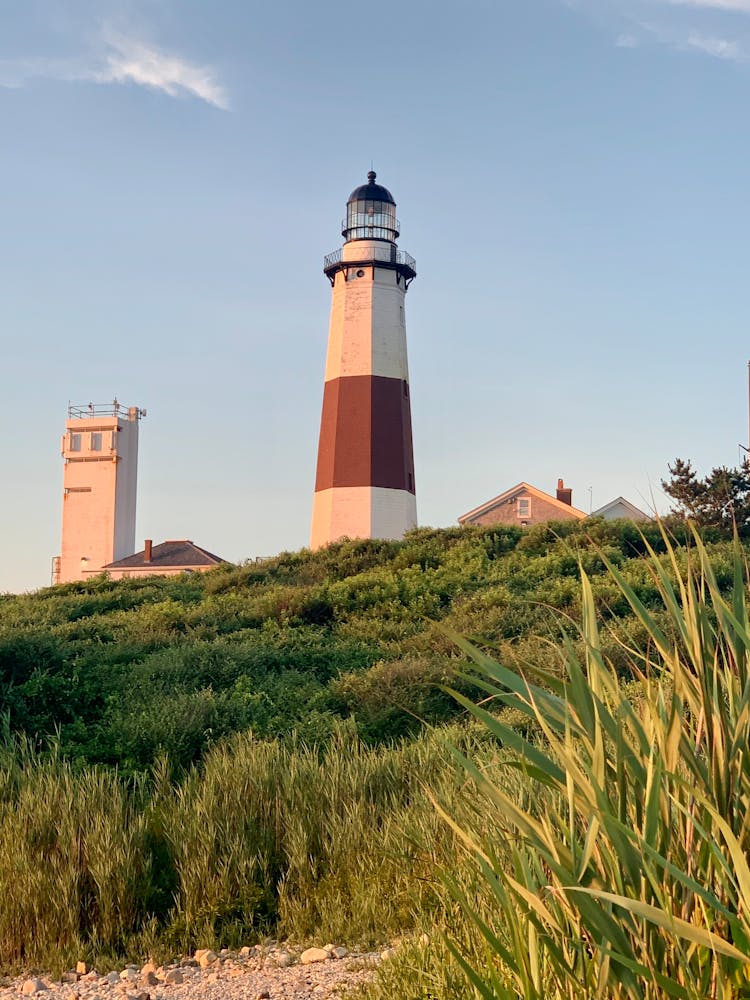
(126, 672)
(585, 836)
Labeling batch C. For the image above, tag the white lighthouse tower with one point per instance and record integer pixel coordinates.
(364, 486)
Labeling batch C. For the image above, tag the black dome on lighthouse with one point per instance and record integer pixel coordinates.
(371, 191)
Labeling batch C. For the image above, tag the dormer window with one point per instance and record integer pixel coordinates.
(523, 508)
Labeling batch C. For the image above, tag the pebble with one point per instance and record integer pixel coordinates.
(278, 960)
(311, 955)
(33, 986)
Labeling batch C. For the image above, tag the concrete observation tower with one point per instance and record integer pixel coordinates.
(100, 449)
(364, 486)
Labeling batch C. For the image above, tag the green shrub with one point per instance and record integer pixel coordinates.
(123, 671)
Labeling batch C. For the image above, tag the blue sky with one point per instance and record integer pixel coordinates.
(572, 178)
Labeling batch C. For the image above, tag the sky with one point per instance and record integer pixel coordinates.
(571, 177)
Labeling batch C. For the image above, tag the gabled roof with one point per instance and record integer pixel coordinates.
(633, 512)
(169, 555)
(518, 490)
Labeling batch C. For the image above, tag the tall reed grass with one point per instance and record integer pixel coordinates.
(625, 874)
(340, 843)
(73, 858)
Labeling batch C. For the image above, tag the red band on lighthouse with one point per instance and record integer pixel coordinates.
(365, 434)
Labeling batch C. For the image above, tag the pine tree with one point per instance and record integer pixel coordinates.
(720, 500)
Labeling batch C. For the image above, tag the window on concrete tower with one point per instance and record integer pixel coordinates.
(96, 441)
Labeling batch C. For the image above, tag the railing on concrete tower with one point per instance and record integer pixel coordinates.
(113, 409)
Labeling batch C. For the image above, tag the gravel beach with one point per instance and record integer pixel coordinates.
(258, 973)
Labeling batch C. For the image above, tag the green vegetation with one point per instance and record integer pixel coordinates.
(612, 850)
(719, 500)
(128, 672)
(583, 832)
(634, 879)
(261, 838)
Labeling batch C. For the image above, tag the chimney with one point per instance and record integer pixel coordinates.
(147, 550)
(564, 495)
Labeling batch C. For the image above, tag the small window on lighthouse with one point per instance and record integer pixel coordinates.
(75, 442)
(96, 441)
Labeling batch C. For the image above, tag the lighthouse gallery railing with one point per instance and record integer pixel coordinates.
(388, 254)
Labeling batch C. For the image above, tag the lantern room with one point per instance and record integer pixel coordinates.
(370, 213)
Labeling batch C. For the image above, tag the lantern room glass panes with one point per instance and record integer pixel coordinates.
(371, 220)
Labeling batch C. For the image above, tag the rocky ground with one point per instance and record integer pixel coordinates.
(258, 973)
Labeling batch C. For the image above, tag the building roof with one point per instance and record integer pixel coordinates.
(169, 555)
(372, 191)
(633, 512)
(514, 491)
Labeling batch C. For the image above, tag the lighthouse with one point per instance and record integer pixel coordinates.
(364, 486)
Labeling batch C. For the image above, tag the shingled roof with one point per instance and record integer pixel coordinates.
(172, 555)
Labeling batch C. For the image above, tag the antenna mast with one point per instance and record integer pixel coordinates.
(742, 447)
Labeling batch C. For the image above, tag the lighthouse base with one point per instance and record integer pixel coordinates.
(361, 512)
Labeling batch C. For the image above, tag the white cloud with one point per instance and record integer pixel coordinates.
(129, 61)
(738, 6)
(117, 58)
(716, 28)
(720, 48)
